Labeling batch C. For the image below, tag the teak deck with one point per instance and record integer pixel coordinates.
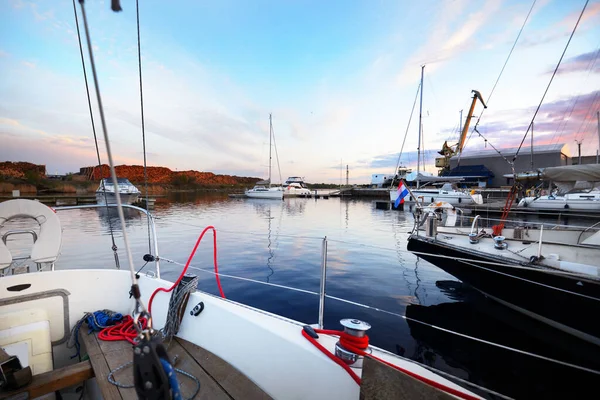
(218, 379)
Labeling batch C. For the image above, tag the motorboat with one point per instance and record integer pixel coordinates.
(106, 191)
(448, 193)
(228, 348)
(295, 186)
(551, 275)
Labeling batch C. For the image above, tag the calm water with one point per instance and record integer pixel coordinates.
(280, 242)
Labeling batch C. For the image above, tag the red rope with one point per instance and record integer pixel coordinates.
(355, 345)
(187, 264)
(124, 330)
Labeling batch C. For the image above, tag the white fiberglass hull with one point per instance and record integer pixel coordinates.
(126, 198)
(269, 349)
(562, 203)
(434, 196)
(297, 193)
(265, 194)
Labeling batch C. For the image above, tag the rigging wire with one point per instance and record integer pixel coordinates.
(137, 11)
(551, 79)
(562, 126)
(406, 133)
(501, 72)
(276, 153)
(108, 149)
(87, 90)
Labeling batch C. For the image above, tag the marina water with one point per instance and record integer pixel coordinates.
(280, 242)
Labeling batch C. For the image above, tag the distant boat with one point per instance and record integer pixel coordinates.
(567, 178)
(129, 193)
(448, 193)
(294, 186)
(263, 189)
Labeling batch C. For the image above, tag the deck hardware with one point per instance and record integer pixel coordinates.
(197, 309)
(353, 327)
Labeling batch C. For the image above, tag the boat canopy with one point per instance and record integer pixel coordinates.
(573, 173)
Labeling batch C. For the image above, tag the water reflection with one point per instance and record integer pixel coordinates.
(488, 365)
(109, 218)
(265, 208)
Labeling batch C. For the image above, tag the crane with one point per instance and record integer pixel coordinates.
(449, 151)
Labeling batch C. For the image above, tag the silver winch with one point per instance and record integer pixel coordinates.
(499, 243)
(357, 328)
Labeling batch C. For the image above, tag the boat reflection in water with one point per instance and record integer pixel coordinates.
(508, 372)
(109, 217)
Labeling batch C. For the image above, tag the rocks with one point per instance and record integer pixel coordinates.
(162, 175)
(21, 170)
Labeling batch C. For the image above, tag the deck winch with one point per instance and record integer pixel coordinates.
(499, 243)
(358, 329)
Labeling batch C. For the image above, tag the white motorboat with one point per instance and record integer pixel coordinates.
(106, 191)
(263, 189)
(294, 186)
(270, 356)
(448, 193)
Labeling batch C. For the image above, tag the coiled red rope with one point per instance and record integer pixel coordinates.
(124, 330)
(187, 264)
(359, 345)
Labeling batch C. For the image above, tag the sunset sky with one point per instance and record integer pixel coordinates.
(339, 77)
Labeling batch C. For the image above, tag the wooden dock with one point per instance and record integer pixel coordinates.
(218, 379)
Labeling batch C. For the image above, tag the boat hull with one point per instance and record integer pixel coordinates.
(271, 194)
(435, 196)
(561, 203)
(126, 198)
(562, 301)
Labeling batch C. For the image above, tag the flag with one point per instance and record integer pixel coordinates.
(402, 192)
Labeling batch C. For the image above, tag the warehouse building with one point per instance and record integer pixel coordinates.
(549, 155)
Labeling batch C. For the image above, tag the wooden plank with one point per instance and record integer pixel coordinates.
(380, 382)
(58, 379)
(209, 389)
(237, 385)
(101, 368)
(120, 353)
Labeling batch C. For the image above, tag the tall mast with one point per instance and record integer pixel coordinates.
(420, 126)
(270, 136)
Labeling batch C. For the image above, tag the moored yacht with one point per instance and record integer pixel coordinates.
(448, 193)
(106, 191)
(295, 186)
(551, 275)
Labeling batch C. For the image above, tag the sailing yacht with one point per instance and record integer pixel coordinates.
(568, 196)
(449, 192)
(263, 189)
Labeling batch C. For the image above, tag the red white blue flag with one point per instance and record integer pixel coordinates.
(402, 192)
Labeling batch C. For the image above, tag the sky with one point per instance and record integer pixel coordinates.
(338, 77)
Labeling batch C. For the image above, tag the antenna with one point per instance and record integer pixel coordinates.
(579, 149)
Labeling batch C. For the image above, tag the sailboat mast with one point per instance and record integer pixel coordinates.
(420, 127)
(270, 137)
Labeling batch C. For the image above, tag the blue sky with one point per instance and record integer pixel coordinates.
(339, 77)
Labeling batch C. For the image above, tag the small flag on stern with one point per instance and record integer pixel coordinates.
(402, 192)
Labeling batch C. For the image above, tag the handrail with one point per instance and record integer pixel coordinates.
(585, 230)
(142, 210)
(475, 223)
(20, 232)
